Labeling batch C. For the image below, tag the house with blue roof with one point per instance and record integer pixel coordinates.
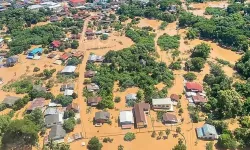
(34, 52)
(207, 131)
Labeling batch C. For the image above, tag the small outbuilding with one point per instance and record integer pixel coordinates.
(175, 97)
(92, 87)
(67, 87)
(102, 117)
(207, 131)
(89, 74)
(73, 106)
(11, 61)
(93, 101)
(34, 52)
(68, 92)
(68, 70)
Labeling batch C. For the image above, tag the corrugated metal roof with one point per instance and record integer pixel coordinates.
(126, 116)
(162, 101)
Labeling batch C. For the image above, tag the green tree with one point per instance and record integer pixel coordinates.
(73, 61)
(36, 116)
(69, 124)
(227, 141)
(209, 145)
(94, 144)
(4, 123)
(68, 114)
(196, 64)
(175, 65)
(190, 76)
(167, 42)
(104, 37)
(140, 95)
(74, 44)
(180, 146)
(175, 53)
(178, 129)
(120, 147)
(22, 132)
(129, 136)
(192, 33)
(202, 50)
(63, 100)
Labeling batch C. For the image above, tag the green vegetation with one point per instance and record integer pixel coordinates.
(104, 37)
(227, 141)
(243, 65)
(215, 11)
(167, 42)
(36, 116)
(190, 76)
(63, 100)
(150, 11)
(117, 99)
(107, 139)
(20, 87)
(209, 145)
(48, 73)
(74, 61)
(129, 136)
(175, 65)
(163, 25)
(69, 124)
(74, 44)
(195, 64)
(94, 144)
(224, 62)
(36, 94)
(180, 145)
(229, 31)
(68, 114)
(202, 50)
(192, 33)
(21, 103)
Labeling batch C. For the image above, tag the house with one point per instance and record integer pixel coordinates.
(68, 70)
(89, 74)
(52, 111)
(199, 99)
(131, 97)
(51, 55)
(65, 56)
(93, 101)
(54, 7)
(53, 18)
(163, 104)
(34, 52)
(67, 87)
(1, 42)
(78, 54)
(168, 118)
(126, 119)
(102, 117)
(11, 61)
(140, 112)
(10, 100)
(68, 92)
(55, 119)
(89, 32)
(37, 103)
(207, 131)
(92, 87)
(57, 62)
(55, 44)
(75, 3)
(73, 106)
(51, 104)
(57, 134)
(95, 58)
(193, 87)
(175, 97)
(35, 7)
(39, 88)
(3, 53)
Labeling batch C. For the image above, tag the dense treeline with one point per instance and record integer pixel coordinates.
(132, 67)
(150, 10)
(231, 30)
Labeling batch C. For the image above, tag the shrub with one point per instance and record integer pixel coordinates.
(153, 135)
(74, 95)
(117, 99)
(107, 139)
(175, 65)
(69, 124)
(36, 69)
(129, 136)
(190, 76)
(104, 37)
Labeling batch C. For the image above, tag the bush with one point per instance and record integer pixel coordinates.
(74, 61)
(117, 99)
(190, 76)
(163, 25)
(107, 139)
(129, 136)
(74, 95)
(78, 121)
(153, 135)
(94, 144)
(36, 69)
(175, 65)
(2, 107)
(167, 42)
(195, 64)
(104, 37)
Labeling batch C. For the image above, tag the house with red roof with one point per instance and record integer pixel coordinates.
(75, 3)
(65, 56)
(55, 44)
(193, 87)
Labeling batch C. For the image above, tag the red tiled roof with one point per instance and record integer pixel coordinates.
(65, 56)
(174, 97)
(37, 103)
(56, 43)
(194, 86)
(77, 1)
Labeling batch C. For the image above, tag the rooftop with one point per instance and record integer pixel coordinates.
(69, 69)
(139, 109)
(126, 116)
(162, 101)
(37, 103)
(194, 86)
(57, 132)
